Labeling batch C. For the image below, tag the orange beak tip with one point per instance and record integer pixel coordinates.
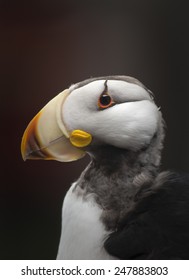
(28, 138)
(23, 147)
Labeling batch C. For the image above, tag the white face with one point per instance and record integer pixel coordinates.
(130, 123)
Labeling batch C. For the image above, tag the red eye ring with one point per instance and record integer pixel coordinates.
(105, 101)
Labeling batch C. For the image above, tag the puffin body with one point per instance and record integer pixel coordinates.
(122, 206)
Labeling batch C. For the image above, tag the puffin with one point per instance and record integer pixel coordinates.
(123, 206)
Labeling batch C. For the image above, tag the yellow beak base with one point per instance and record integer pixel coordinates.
(80, 138)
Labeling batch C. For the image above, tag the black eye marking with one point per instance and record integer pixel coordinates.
(105, 86)
(105, 100)
(151, 94)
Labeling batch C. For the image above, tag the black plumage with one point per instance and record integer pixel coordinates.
(157, 227)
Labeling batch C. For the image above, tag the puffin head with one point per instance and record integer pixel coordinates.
(118, 111)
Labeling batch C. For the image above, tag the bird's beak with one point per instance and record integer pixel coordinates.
(47, 137)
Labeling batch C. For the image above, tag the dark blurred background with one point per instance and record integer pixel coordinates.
(47, 45)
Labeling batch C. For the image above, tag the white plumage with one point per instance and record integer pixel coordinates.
(82, 234)
(134, 114)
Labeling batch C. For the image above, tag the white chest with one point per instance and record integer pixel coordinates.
(83, 233)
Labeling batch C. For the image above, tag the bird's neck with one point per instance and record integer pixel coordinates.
(115, 175)
(111, 161)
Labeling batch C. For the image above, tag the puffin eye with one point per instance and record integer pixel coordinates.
(105, 101)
